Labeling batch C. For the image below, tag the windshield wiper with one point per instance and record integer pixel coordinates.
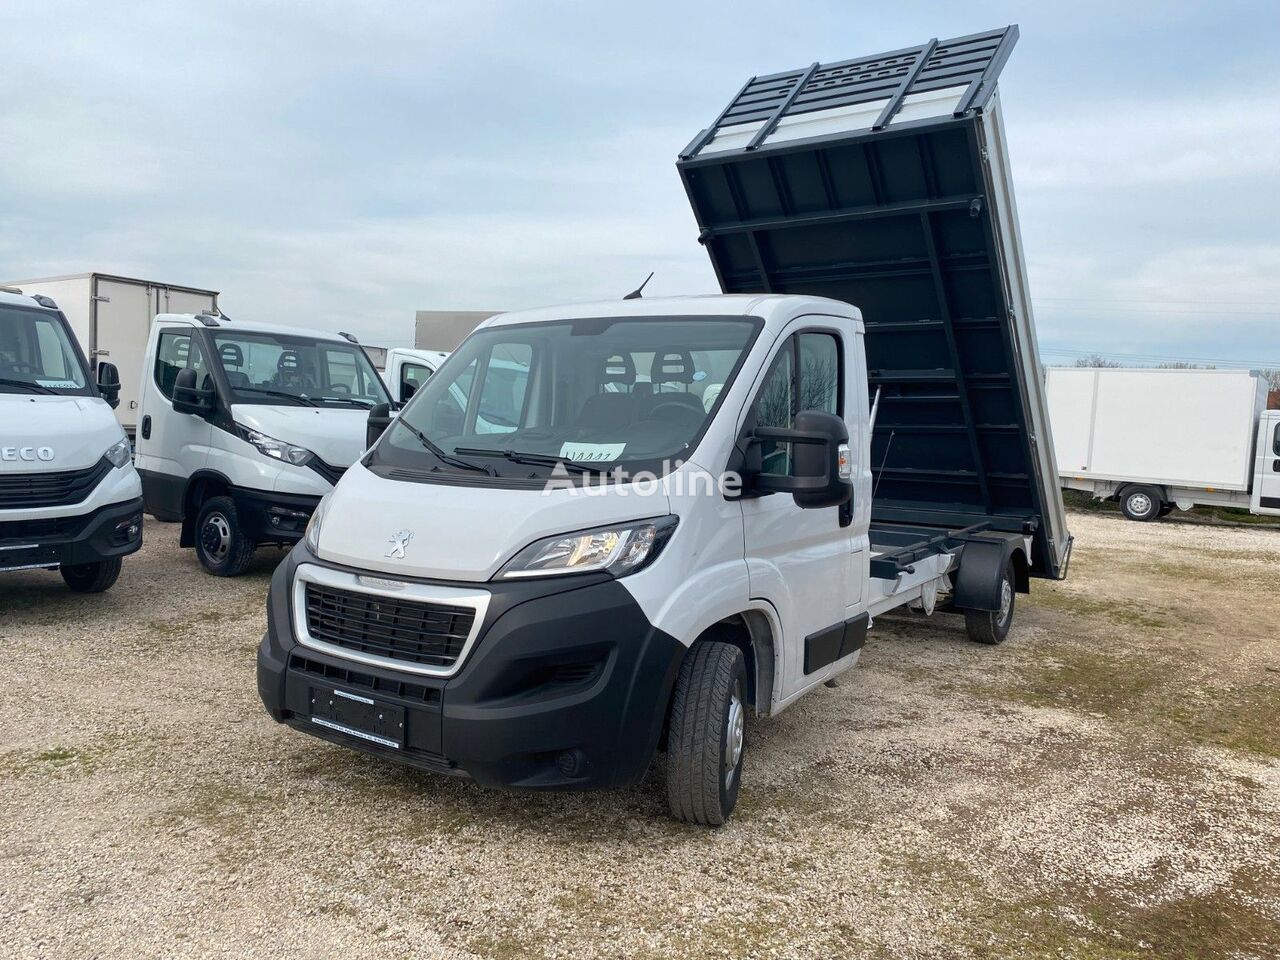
(278, 393)
(362, 401)
(445, 457)
(537, 459)
(29, 385)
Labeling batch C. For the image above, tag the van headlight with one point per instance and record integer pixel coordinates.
(119, 453)
(312, 534)
(276, 449)
(617, 550)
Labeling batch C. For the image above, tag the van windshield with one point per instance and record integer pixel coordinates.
(37, 354)
(275, 368)
(634, 393)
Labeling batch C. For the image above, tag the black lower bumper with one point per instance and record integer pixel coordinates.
(566, 687)
(111, 531)
(268, 517)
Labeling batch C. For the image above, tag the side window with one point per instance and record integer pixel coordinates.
(1276, 443)
(412, 376)
(805, 375)
(175, 352)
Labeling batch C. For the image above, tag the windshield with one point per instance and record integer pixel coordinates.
(37, 354)
(278, 368)
(633, 393)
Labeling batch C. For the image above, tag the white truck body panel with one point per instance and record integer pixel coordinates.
(111, 317)
(1174, 428)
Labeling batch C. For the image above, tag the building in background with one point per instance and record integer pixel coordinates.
(445, 329)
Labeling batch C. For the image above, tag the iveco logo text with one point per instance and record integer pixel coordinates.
(398, 542)
(26, 453)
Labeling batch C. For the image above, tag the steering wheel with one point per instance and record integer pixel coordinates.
(21, 366)
(340, 388)
(673, 411)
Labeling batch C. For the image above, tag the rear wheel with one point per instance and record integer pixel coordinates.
(992, 626)
(92, 577)
(221, 544)
(1142, 504)
(706, 742)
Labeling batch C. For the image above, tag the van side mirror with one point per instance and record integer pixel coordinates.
(820, 467)
(188, 397)
(109, 383)
(376, 426)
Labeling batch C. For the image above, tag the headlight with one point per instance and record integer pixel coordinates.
(312, 534)
(618, 550)
(119, 453)
(276, 449)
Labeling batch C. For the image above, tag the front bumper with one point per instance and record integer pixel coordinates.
(269, 517)
(67, 541)
(566, 687)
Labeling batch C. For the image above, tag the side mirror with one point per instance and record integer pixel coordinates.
(379, 420)
(109, 383)
(820, 464)
(188, 397)
(407, 389)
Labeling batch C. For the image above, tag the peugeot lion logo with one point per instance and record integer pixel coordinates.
(398, 542)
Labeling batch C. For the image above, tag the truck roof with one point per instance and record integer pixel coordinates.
(772, 308)
(250, 326)
(883, 181)
(19, 299)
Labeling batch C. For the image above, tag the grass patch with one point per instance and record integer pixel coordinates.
(1123, 613)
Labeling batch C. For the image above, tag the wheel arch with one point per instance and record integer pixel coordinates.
(201, 485)
(982, 566)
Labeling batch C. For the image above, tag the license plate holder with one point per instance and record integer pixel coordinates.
(357, 715)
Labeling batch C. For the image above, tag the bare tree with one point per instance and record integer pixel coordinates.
(1097, 360)
(1272, 377)
(1184, 365)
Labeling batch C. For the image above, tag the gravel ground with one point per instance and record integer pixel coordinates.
(1107, 783)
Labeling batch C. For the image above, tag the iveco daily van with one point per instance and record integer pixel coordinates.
(244, 427)
(70, 499)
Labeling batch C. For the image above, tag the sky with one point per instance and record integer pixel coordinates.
(341, 165)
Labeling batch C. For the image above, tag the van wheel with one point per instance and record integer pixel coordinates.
(706, 741)
(992, 626)
(92, 577)
(221, 544)
(1142, 503)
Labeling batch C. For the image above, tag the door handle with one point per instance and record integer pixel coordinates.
(146, 427)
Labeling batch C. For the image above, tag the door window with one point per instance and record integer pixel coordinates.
(412, 376)
(176, 351)
(805, 375)
(1275, 445)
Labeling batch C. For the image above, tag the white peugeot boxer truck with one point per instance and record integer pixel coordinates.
(69, 495)
(699, 507)
(244, 427)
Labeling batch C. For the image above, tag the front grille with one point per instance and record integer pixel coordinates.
(354, 678)
(54, 489)
(47, 529)
(430, 634)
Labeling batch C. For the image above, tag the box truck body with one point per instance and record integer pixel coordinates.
(1154, 439)
(111, 317)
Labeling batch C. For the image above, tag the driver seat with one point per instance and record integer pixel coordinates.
(232, 356)
(671, 365)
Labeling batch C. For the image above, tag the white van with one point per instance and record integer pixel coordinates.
(244, 427)
(407, 369)
(70, 499)
(543, 607)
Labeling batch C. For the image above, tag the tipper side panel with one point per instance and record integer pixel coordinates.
(892, 215)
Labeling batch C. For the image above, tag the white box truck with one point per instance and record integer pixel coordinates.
(1155, 439)
(111, 317)
(542, 580)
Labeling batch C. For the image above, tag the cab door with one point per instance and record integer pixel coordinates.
(798, 560)
(1267, 470)
(171, 446)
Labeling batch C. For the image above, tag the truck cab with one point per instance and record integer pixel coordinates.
(70, 499)
(407, 369)
(1266, 474)
(244, 427)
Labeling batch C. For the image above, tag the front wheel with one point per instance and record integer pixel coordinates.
(92, 577)
(992, 626)
(221, 545)
(706, 741)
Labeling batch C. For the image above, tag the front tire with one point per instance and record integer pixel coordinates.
(92, 577)
(706, 741)
(221, 545)
(1142, 504)
(992, 626)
